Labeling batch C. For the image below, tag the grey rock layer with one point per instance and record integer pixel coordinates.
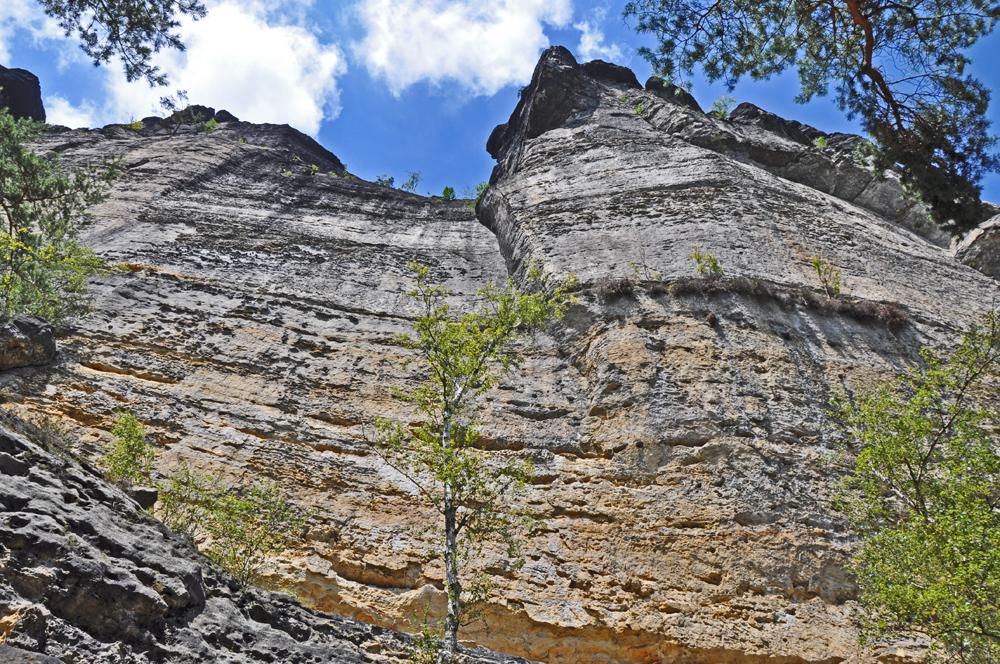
(981, 248)
(21, 94)
(26, 342)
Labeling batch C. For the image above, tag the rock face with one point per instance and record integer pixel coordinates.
(88, 576)
(21, 94)
(981, 248)
(26, 342)
(677, 423)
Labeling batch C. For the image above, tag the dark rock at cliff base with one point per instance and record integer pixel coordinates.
(21, 94)
(10, 655)
(981, 248)
(26, 342)
(667, 91)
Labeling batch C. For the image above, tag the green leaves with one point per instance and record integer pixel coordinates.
(130, 459)
(239, 528)
(464, 355)
(925, 498)
(706, 264)
(829, 276)
(246, 526)
(43, 267)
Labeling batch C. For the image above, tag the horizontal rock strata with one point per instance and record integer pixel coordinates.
(677, 423)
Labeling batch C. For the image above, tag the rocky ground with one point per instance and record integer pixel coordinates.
(685, 461)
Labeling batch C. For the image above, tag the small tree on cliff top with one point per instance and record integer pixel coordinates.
(898, 66)
(924, 496)
(464, 356)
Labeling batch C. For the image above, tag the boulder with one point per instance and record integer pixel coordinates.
(21, 94)
(225, 116)
(611, 73)
(675, 94)
(11, 655)
(26, 342)
(981, 248)
(193, 114)
(749, 114)
(145, 496)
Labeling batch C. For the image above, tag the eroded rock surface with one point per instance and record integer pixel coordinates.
(88, 576)
(26, 342)
(677, 424)
(981, 248)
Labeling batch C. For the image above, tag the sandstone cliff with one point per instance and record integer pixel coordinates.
(677, 423)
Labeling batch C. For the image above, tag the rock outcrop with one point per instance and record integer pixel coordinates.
(26, 342)
(981, 248)
(21, 94)
(677, 423)
(88, 576)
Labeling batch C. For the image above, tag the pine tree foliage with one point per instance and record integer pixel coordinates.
(899, 66)
(131, 31)
(43, 266)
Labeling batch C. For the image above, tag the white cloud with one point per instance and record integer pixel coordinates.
(26, 16)
(60, 111)
(592, 46)
(482, 46)
(237, 60)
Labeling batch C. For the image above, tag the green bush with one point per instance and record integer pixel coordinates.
(820, 142)
(185, 500)
(385, 181)
(706, 265)
(448, 194)
(239, 528)
(639, 108)
(210, 125)
(473, 196)
(922, 495)
(247, 526)
(130, 459)
(135, 125)
(722, 107)
(411, 182)
(313, 169)
(829, 276)
(426, 645)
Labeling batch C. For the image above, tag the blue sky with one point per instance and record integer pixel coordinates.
(390, 86)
